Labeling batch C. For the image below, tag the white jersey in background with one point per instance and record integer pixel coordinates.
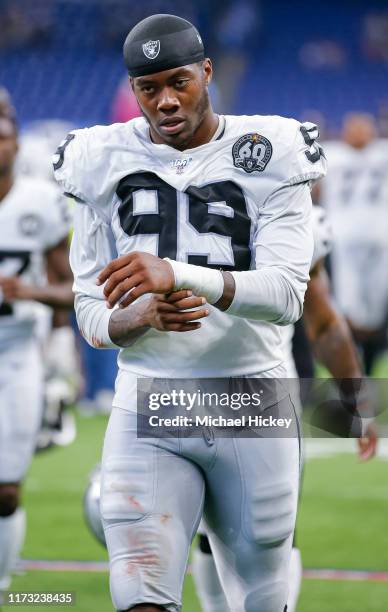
(33, 218)
(355, 194)
(239, 202)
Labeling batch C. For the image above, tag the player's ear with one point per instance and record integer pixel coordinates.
(131, 82)
(207, 67)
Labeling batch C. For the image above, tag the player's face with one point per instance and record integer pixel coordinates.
(176, 104)
(8, 146)
(359, 131)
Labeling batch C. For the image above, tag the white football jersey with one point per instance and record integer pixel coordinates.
(355, 194)
(208, 206)
(33, 218)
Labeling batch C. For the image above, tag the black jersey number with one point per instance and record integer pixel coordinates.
(214, 210)
(60, 152)
(316, 152)
(12, 263)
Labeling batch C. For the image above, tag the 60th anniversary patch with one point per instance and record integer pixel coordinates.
(252, 152)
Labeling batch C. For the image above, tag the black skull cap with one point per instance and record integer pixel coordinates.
(161, 42)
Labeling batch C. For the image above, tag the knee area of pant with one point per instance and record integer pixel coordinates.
(273, 513)
(125, 584)
(9, 499)
(268, 599)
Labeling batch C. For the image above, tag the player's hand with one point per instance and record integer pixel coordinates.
(171, 313)
(367, 445)
(137, 273)
(13, 288)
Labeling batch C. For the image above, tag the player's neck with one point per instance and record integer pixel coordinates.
(6, 184)
(205, 130)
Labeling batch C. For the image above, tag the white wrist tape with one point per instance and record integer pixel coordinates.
(204, 282)
(365, 425)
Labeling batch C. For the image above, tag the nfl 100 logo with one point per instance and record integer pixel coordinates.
(180, 165)
(252, 152)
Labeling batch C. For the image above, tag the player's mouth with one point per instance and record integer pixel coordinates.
(172, 125)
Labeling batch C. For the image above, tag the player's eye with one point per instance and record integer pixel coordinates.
(148, 89)
(181, 83)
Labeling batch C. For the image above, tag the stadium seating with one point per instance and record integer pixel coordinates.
(73, 74)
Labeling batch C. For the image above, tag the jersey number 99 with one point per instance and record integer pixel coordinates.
(206, 226)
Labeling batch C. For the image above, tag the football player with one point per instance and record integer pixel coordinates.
(33, 240)
(331, 342)
(64, 380)
(60, 354)
(355, 194)
(164, 202)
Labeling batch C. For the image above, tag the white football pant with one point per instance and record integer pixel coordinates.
(154, 491)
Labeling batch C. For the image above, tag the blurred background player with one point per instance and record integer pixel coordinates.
(34, 270)
(58, 342)
(355, 195)
(73, 370)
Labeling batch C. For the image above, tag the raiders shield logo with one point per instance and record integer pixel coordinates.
(151, 49)
(252, 153)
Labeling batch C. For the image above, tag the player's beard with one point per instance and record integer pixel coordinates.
(183, 140)
(201, 110)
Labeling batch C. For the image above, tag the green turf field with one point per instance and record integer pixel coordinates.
(342, 524)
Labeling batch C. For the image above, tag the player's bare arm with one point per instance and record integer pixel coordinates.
(164, 313)
(57, 295)
(140, 273)
(332, 343)
(327, 329)
(59, 274)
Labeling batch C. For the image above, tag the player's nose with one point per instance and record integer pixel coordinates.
(168, 101)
